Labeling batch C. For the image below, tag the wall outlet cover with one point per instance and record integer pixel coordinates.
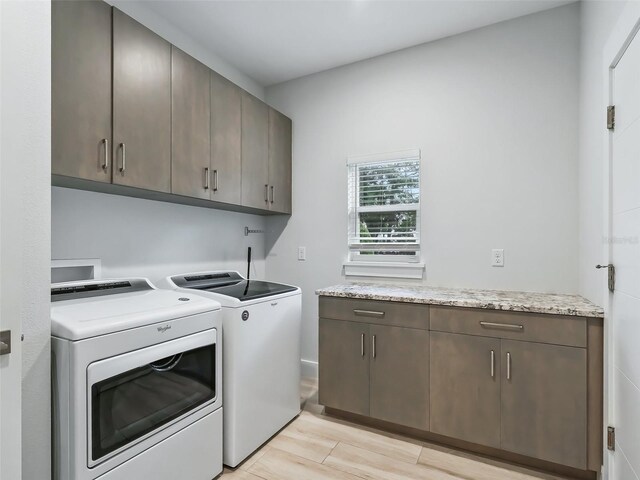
(497, 257)
(302, 253)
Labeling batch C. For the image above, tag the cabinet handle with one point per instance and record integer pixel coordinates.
(362, 344)
(508, 366)
(215, 180)
(273, 194)
(373, 349)
(507, 326)
(493, 364)
(206, 178)
(368, 313)
(105, 165)
(124, 158)
(266, 193)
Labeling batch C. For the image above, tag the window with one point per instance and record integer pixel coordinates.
(384, 208)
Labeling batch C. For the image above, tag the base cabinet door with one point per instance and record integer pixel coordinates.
(399, 391)
(190, 116)
(344, 366)
(81, 89)
(141, 106)
(465, 387)
(544, 402)
(226, 127)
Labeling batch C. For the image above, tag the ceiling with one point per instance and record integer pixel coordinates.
(277, 40)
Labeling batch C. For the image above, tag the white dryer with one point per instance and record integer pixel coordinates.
(137, 391)
(261, 325)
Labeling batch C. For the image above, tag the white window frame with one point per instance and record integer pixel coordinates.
(394, 266)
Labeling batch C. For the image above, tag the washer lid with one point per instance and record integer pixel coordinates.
(231, 284)
(87, 311)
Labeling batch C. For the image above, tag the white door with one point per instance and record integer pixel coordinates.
(10, 251)
(624, 313)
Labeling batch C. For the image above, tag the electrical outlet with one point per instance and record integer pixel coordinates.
(497, 257)
(302, 253)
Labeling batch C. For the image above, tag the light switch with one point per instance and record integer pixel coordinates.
(302, 253)
(497, 257)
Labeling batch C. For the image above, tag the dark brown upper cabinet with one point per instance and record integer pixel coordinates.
(190, 129)
(141, 106)
(81, 90)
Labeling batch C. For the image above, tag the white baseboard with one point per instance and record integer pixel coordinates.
(309, 368)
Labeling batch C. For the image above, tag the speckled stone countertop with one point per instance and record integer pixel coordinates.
(550, 303)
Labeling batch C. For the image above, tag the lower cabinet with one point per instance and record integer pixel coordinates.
(465, 387)
(375, 370)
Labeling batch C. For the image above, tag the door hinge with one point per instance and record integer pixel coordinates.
(611, 277)
(611, 438)
(611, 117)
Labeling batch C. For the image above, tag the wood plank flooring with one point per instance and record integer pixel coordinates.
(315, 447)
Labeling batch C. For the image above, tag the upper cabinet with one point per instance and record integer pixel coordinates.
(226, 140)
(255, 152)
(190, 133)
(279, 162)
(134, 115)
(141, 106)
(81, 89)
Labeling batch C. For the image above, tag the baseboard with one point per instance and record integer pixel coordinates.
(309, 368)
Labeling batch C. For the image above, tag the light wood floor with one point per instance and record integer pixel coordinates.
(316, 447)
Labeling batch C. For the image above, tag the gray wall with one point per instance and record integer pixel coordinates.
(494, 112)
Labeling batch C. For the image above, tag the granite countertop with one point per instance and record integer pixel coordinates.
(550, 303)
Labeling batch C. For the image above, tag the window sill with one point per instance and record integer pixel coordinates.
(384, 269)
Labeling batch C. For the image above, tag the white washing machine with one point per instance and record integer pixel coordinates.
(137, 390)
(261, 325)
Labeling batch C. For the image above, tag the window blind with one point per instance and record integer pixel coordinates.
(384, 207)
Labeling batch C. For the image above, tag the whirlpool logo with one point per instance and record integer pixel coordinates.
(164, 329)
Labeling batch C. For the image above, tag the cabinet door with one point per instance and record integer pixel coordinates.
(279, 162)
(190, 117)
(141, 106)
(400, 375)
(465, 396)
(255, 152)
(344, 366)
(81, 89)
(544, 402)
(226, 127)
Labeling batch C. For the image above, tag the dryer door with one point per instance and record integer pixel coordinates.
(133, 395)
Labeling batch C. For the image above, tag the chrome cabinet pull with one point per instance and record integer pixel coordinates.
(206, 178)
(266, 193)
(507, 326)
(273, 195)
(493, 364)
(368, 313)
(373, 349)
(124, 158)
(362, 344)
(105, 165)
(508, 366)
(215, 180)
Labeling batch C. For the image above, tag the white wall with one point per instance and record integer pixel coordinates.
(597, 19)
(494, 112)
(25, 206)
(149, 238)
(181, 39)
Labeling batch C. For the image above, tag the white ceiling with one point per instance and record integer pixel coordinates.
(277, 40)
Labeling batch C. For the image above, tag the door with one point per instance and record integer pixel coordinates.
(544, 402)
(226, 138)
(81, 89)
(399, 390)
(344, 366)
(465, 387)
(279, 162)
(141, 106)
(624, 303)
(255, 152)
(190, 132)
